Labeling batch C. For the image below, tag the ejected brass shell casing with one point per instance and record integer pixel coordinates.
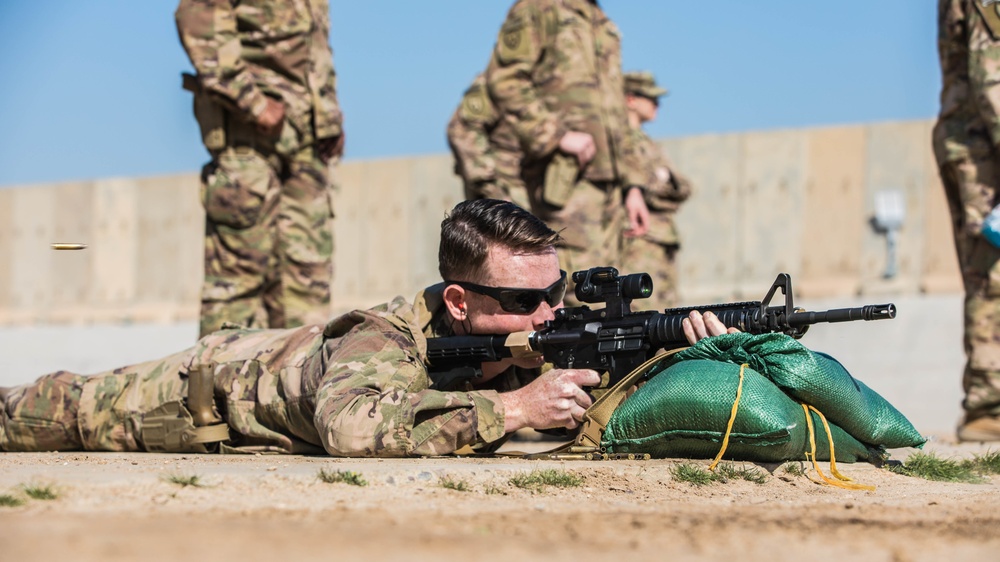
(68, 246)
(574, 457)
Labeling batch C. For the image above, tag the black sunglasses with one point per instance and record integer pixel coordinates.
(520, 301)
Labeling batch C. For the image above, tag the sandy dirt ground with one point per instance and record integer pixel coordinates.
(123, 507)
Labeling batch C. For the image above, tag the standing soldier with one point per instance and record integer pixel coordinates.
(265, 99)
(487, 153)
(556, 75)
(966, 140)
(656, 251)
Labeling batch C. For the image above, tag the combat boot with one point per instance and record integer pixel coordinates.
(986, 428)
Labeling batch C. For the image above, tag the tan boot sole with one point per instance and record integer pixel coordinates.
(982, 429)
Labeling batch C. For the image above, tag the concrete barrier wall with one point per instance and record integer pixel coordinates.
(796, 201)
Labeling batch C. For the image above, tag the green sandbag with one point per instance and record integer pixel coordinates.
(683, 411)
(815, 379)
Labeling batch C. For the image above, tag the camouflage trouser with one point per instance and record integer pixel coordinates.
(660, 262)
(268, 240)
(965, 182)
(64, 411)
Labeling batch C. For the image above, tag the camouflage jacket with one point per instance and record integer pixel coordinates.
(356, 387)
(248, 49)
(556, 68)
(483, 144)
(970, 92)
(665, 189)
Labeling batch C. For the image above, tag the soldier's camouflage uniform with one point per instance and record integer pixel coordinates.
(268, 206)
(487, 153)
(354, 387)
(966, 141)
(556, 68)
(656, 252)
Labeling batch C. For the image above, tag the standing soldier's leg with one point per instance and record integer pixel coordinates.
(305, 234)
(966, 183)
(240, 192)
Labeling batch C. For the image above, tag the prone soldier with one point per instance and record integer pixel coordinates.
(356, 386)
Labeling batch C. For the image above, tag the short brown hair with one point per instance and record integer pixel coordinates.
(473, 226)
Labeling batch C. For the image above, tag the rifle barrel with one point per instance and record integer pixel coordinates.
(867, 312)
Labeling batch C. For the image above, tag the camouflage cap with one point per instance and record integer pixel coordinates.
(642, 83)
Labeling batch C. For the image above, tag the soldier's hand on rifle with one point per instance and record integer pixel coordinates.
(638, 213)
(270, 120)
(698, 326)
(555, 399)
(580, 145)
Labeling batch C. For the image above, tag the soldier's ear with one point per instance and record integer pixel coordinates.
(455, 301)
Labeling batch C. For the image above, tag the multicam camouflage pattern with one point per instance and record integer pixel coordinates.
(269, 238)
(557, 67)
(248, 50)
(268, 243)
(354, 387)
(966, 141)
(666, 189)
(42, 416)
(487, 153)
(656, 252)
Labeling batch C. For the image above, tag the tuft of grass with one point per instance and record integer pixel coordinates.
(184, 481)
(492, 489)
(536, 480)
(40, 492)
(7, 500)
(693, 474)
(341, 477)
(986, 464)
(794, 469)
(448, 483)
(931, 467)
(728, 471)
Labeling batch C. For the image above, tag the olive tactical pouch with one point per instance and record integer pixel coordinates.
(560, 178)
(990, 12)
(209, 113)
(172, 428)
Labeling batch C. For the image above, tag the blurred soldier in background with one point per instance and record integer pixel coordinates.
(265, 99)
(966, 140)
(556, 76)
(656, 251)
(487, 153)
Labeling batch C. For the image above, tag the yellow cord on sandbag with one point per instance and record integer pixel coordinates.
(843, 481)
(732, 419)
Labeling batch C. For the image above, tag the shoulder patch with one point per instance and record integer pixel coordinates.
(514, 43)
(476, 106)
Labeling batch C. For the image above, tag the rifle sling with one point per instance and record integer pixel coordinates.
(597, 416)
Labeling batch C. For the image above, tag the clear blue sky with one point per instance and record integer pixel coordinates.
(92, 88)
